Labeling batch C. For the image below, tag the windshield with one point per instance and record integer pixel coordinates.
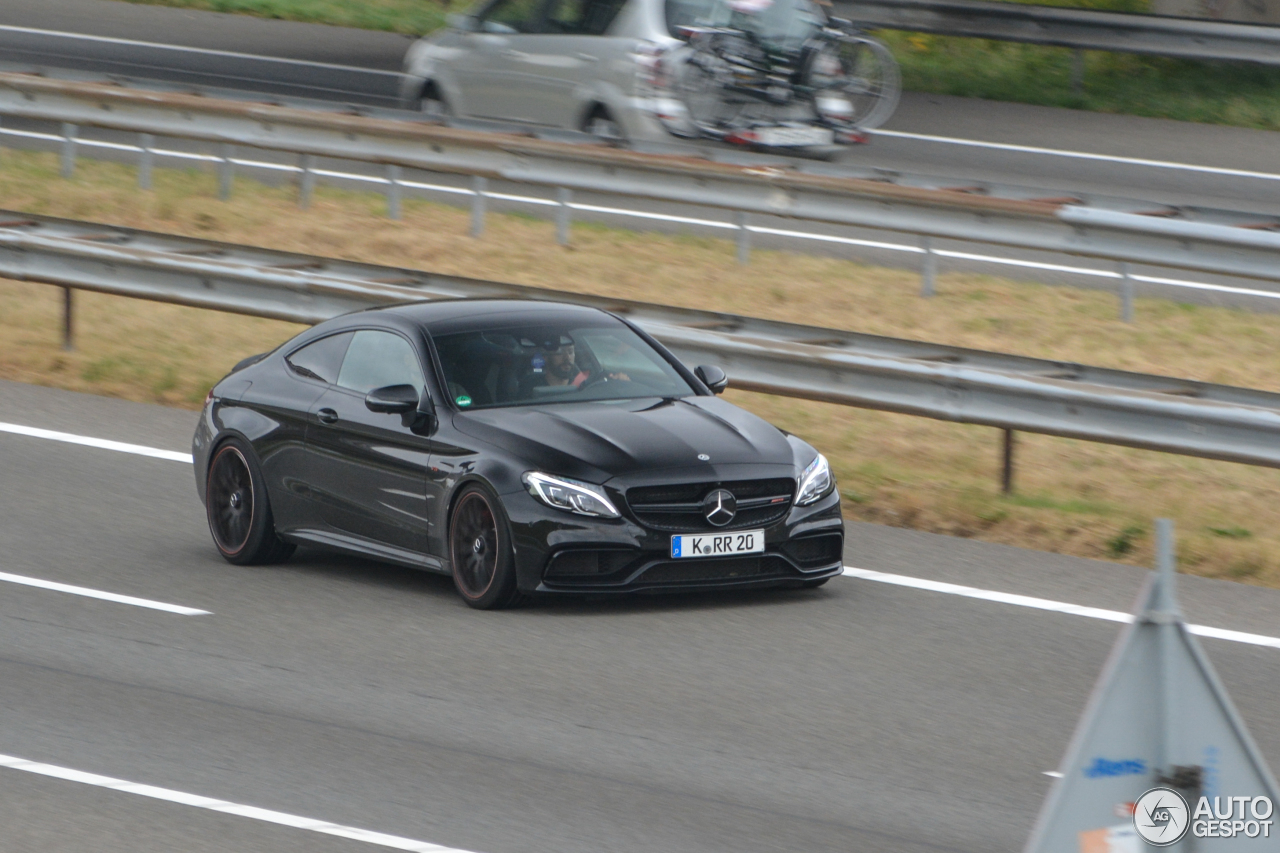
(781, 24)
(572, 362)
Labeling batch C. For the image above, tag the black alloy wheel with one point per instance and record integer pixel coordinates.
(238, 510)
(480, 551)
(230, 500)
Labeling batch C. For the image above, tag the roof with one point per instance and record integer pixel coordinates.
(448, 315)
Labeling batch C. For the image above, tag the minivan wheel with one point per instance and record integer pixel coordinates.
(433, 105)
(603, 127)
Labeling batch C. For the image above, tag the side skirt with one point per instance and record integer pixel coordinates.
(366, 548)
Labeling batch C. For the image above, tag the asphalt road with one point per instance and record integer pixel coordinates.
(861, 716)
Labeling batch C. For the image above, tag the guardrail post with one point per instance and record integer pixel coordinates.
(69, 132)
(478, 187)
(1126, 294)
(1006, 469)
(929, 274)
(225, 171)
(68, 343)
(1077, 72)
(744, 239)
(307, 184)
(145, 143)
(564, 214)
(393, 191)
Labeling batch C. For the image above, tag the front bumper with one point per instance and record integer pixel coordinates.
(557, 552)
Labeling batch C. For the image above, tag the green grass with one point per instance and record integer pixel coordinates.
(1212, 93)
(414, 17)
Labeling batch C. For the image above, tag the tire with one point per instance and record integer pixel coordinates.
(604, 128)
(872, 82)
(699, 87)
(238, 509)
(433, 105)
(480, 554)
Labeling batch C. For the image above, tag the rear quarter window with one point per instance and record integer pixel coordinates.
(320, 359)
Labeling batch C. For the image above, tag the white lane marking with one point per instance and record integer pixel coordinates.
(105, 596)
(667, 217)
(1079, 155)
(1048, 604)
(100, 443)
(381, 839)
(1057, 774)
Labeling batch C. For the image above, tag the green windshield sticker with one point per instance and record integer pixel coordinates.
(462, 400)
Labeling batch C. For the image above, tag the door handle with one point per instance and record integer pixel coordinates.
(327, 416)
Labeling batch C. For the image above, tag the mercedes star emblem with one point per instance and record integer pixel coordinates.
(720, 507)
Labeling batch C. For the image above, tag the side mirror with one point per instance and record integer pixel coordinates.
(466, 23)
(392, 400)
(713, 377)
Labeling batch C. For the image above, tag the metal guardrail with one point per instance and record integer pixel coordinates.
(1081, 29)
(917, 378)
(1240, 245)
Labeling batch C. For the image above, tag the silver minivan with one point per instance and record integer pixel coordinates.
(767, 74)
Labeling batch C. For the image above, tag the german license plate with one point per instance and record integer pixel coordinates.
(794, 136)
(717, 544)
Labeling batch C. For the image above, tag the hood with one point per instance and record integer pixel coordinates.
(602, 440)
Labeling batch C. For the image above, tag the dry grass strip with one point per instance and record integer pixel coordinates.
(1074, 497)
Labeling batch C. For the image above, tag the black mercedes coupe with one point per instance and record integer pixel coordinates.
(520, 447)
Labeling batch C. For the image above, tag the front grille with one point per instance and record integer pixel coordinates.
(727, 569)
(814, 551)
(678, 507)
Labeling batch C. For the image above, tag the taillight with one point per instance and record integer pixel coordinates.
(649, 59)
(208, 398)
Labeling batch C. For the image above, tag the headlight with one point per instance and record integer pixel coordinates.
(814, 482)
(569, 495)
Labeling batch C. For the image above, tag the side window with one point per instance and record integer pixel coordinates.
(512, 16)
(694, 13)
(379, 359)
(582, 17)
(320, 359)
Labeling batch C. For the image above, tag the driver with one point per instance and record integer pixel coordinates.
(561, 368)
(555, 364)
